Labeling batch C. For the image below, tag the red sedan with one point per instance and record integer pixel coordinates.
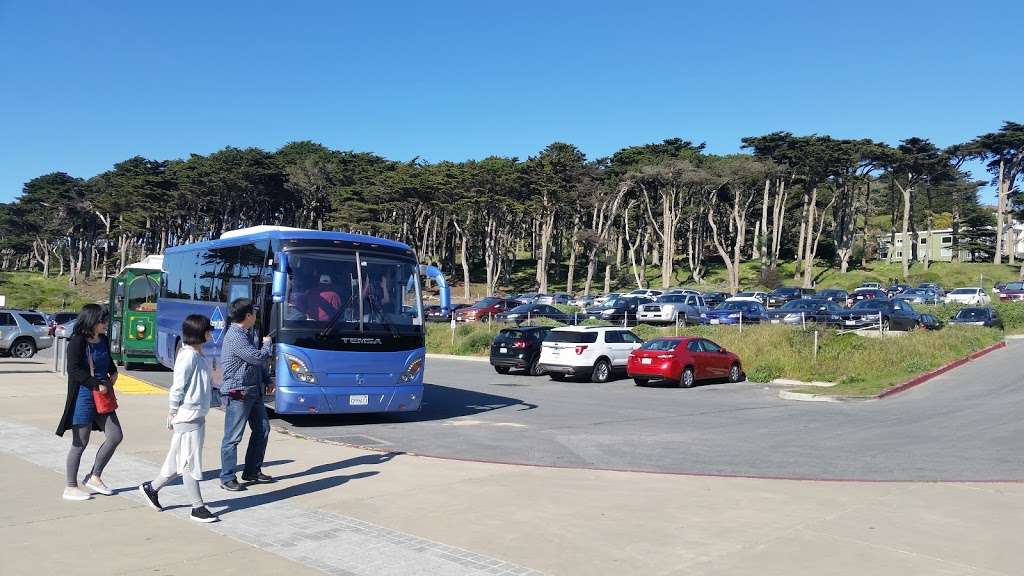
(684, 360)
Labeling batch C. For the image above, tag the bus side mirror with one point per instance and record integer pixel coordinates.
(280, 278)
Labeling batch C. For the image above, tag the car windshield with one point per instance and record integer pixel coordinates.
(485, 303)
(506, 336)
(785, 291)
(524, 309)
(1014, 286)
(745, 294)
(672, 299)
(734, 306)
(917, 292)
(660, 345)
(801, 305)
(965, 291)
(972, 314)
(357, 292)
(869, 305)
(832, 293)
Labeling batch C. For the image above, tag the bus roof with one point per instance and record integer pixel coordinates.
(153, 262)
(240, 236)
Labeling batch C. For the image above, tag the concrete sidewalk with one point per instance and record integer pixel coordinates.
(346, 511)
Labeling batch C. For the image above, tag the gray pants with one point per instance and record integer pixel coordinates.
(80, 440)
(191, 487)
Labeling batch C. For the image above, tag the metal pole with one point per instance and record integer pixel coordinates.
(815, 347)
(677, 322)
(56, 354)
(453, 332)
(803, 320)
(741, 321)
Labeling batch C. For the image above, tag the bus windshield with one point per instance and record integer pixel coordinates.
(348, 292)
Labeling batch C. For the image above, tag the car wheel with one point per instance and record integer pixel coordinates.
(641, 381)
(734, 373)
(23, 348)
(501, 369)
(885, 324)
(535, 369)
(602, 372)
(686, 378)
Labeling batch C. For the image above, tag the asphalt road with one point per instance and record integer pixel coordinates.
(964, 425)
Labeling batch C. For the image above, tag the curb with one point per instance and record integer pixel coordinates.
(921, 379)
(454, 357)
(789, 382)
(900, 388)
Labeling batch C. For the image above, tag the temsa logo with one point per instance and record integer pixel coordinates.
(360, 340)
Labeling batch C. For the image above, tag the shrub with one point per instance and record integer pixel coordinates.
(765, 372)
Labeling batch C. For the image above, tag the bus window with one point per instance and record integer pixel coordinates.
(142, 294)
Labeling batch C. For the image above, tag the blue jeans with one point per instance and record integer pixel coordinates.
(236, 414)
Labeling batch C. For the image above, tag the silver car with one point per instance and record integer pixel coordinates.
(553, 299)
(23, 333)
(688, 308)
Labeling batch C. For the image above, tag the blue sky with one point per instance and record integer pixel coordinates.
(84, 85)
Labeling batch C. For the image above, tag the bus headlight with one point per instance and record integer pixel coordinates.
(299, 369)
(412, 370)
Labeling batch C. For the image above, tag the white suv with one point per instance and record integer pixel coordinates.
(587, 351)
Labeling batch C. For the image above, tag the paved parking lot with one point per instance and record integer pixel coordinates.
(965, 425)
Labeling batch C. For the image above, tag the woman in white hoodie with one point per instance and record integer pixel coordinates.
(190, 397)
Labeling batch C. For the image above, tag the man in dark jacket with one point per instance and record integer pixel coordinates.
(245, 376)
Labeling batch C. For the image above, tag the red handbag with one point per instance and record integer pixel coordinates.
(105, 403)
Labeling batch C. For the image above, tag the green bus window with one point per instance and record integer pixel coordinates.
(142, 294)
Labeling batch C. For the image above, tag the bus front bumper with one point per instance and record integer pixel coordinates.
(347, 399)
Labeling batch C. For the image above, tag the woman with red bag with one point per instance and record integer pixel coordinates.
(90, 403)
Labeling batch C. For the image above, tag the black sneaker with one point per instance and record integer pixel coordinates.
(151, 497)
(203, 515)
(232, 486)
(260, 478)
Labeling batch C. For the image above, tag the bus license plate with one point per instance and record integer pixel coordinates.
(359, 400)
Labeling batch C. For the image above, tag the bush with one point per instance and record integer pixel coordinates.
(765, 372)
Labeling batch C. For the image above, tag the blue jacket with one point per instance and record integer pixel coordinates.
(242, 362)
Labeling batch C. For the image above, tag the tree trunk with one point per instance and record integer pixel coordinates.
(546, 233)
(778, 220)
(800, 242)
(1000, 209)
(905, 253)
(762, 247)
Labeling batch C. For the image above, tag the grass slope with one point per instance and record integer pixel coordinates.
(31, 290)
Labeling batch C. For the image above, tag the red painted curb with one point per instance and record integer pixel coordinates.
(922, 378)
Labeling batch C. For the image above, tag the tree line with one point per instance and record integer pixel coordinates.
(812, 199)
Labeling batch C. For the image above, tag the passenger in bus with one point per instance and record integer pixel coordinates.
(377, 297)
(312, 297)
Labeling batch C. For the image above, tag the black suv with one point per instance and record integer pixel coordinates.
(518, 348)
(780, 296)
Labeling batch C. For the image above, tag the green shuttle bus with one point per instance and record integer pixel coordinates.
(133, 295)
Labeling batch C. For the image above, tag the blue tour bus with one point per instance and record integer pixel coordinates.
(344, 310)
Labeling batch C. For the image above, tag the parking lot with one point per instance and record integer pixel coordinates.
(964, 425)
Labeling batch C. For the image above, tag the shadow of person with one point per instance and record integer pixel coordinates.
(245, 502)
(367, 460)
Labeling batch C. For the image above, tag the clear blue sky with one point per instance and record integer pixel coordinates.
(86, 84)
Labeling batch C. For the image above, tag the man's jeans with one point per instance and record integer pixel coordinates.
(236, 414)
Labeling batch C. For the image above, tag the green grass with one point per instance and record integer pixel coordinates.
(31, 290)
(861, 366)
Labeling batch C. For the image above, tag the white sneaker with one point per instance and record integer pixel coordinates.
(96, 485)
(76, 493)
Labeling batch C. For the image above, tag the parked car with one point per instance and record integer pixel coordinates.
(684, 361)
(780, 296)
(1013, 291)
(518, 349)
(61, 318)
(868, 294)
(667, 308)
(761, 297)
(748, 311)
(682, 291)
(644, 292)
(970, 296)
(895, 289)
(998, 287)
(595, 352)
(919, 296)
(871, 285)
(713, 299)
(552, 299)
(841, 297)
(434, 313)
(526, 297)
(584, 301)
(528, 312)
(485, 309)
(931, 322)
(937, 288)
(23, 333)
(797, 312)
(622, 309)
(65, 330)
(892, 314)
(978, 316)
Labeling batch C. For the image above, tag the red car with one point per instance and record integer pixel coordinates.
(683, 360)
(485, 309)
(1012, 291)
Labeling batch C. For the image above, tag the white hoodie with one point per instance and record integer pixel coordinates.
(192, 388)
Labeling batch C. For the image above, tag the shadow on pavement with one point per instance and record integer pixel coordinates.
(244, 502)
(439, 403)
